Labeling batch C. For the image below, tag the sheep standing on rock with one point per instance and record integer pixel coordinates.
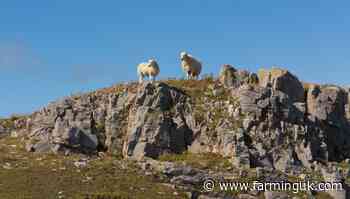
(190, 65)
(149, 69)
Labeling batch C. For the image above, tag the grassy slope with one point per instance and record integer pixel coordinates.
(44, 176)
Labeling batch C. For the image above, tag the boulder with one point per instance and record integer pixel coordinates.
(230, 77)
(282, 80)
(253, 78)
(40, 147)
(227, 76)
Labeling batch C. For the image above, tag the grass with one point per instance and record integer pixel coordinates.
(202, 96)
(9, 123)
(193, 88)
(46, 176)
(203, 161)
(344, 166)
(117, 88)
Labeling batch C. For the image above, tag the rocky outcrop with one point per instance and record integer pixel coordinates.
(282, 80)
(270, 121)
(281, 128)
(267, 125)
(230, 77)
(327, 103)
(84, 123)
(227, 75)
(267, 121)
(326, 107)
(274, 121)
(147, 122)
(160, 123)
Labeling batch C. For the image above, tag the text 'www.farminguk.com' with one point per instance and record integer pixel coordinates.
(295, 187)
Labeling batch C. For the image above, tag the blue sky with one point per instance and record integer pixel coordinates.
(50, 49)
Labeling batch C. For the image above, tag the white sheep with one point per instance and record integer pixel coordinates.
(149, 69)
(190, 65)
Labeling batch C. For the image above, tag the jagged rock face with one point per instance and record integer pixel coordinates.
(230, 77)
(85, 123)
(152, 121)
(272, 127)
(275, 128)
(160, 123)
(284, 81)
(267, 103)
(327, 104)
(275, 120)
(326, 108)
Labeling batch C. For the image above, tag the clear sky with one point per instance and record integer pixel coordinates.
(51, 48)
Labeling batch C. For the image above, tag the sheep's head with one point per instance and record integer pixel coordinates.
(183, 55)
(152, 62)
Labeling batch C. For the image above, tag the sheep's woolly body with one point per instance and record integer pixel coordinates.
(149, 69)
(145, 69)
(191, 66)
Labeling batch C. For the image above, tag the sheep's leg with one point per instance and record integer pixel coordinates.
(193, 76)
(151, 77)
(141, 79)
(188, 75)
